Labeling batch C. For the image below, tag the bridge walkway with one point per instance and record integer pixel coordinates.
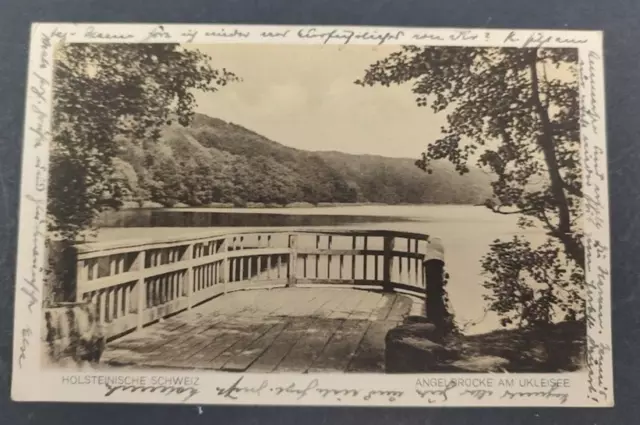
(297, 329)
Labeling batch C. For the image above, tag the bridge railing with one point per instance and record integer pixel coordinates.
(136, 283)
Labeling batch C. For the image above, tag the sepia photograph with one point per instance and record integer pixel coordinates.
(316, 208)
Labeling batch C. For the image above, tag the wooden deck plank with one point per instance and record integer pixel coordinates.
(369, 356)
(203, 345)
(154, 341)
(350, 304)
(166, 348)
(378, 310)
(171, 338)
(281, 346)
(330, 304)
(285, 341)
(240, 345)
(175, 323)
(364, 308)
(340, 349)
(300, 329)
(309, 345)
(275, 300)
(182, 359)
(385, 309)
(174, 352)
(298, 302)
(325, 302)
(245, 303)
(249, 354)
(401, 308)
(193, 344)
(241, 361)
(144, 343)
(221, 340)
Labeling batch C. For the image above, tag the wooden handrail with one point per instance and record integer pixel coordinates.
(133, 283)
(85, 250)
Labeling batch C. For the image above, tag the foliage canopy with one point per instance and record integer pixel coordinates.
(516, 113)
(103, 93)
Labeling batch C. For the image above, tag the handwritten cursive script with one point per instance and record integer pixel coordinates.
(234, 389)
(166, 390)
(26, 335)
(551, 393)
(37, 137)
(301, 391)
(477, 394)
(596, 353)
(29, 285)
(539, 39)
(345, 36)
(437, 394)
(596, 244)
(91, 33)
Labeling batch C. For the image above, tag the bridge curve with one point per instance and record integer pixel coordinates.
(134, 283)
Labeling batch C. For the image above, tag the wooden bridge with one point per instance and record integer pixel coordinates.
(260, 299)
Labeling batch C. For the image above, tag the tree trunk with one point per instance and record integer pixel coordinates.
(563, 232)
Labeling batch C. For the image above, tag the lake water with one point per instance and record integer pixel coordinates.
(466, 233)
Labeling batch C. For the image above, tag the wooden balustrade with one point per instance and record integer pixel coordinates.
(134, 284)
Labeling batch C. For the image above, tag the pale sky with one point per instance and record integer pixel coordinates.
(304, 97)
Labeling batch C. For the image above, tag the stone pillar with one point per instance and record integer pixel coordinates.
(71, 334)
(60, 278)
(435, 308)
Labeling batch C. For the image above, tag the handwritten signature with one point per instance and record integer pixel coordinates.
(549, 394)
(539, 39)
(596, 353)
(24, 345)
(166, 390)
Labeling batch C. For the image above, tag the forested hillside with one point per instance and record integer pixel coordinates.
(213, 162)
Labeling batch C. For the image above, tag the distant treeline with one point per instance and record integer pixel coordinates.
(215, 163)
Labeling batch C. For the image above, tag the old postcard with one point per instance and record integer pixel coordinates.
(314, 216)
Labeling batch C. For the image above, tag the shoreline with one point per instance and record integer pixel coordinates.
(277, 208)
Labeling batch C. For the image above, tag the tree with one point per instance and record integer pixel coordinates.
(516, 112)
(104, 93)
(530, 286)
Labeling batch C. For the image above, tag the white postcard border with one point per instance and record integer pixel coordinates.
(31, 382)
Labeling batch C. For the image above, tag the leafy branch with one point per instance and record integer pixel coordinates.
(516, 113)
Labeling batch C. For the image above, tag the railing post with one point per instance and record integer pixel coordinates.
(293, 259)
(188, 277)
(387, 262)
(224, 248)
(81, 278)
(435, 309)
(141, 289)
